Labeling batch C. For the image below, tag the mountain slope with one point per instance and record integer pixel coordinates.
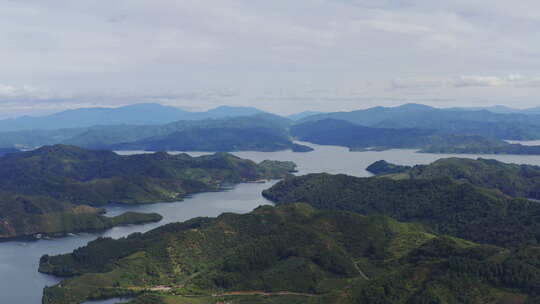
(53, 179)
(441, 204)
(303, 115)
(518, 126)
(31, 216)
(261, 132)
(356, 137)
(372, 116)
(343, 133)
(511, 179)
(100, 177)
(292, 254)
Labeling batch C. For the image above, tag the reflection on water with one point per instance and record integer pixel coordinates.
(21, 283)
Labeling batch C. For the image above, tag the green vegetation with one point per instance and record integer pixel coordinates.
(100, 177)
(441, 204)
(361, 138)
(384, 167)
(482, 147)
(278, 167)
(293, 254)
(47, 190)
(36, 215)
(511, 179)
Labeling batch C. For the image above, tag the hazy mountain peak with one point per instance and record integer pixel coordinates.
(225, 111)
(135, 114)
(413, 107)
(302, 115)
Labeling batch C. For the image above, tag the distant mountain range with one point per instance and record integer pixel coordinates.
(501, 109)
(137, 114)
(421, 114)
(517, 126)
(302, 115)
(157, 127)
(361, 138)
(157, 114)
(259, 132)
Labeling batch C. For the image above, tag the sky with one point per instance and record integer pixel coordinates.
(281, 56)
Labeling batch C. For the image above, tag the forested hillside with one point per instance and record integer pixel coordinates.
(440, 204)
(360, 138)
(42, 188)
(511, 179)
(293, 254)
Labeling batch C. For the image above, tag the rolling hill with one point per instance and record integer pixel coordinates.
(293, 254)
(516, 126)
(50, 189)
(511, 179)
(442, 205)
(360, 138)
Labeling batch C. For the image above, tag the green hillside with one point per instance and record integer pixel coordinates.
(442, 205)
(511, 179)
(50, 190)
(359, 138)
(100, 177)
(294, 254)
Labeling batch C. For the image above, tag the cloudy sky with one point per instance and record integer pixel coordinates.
(280, 55)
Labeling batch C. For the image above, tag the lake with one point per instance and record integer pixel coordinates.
(21, 283)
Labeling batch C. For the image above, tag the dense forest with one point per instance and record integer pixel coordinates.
(294, 254)
(441, 204)
(28, 216)
(50, 189)
(511, 179)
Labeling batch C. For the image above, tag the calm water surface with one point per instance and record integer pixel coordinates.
(21, 283)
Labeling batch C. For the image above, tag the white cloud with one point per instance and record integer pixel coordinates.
(416, 83)
(481, 81)
(466, 81)
(17, 91)
(512, 80)
(166, 48)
